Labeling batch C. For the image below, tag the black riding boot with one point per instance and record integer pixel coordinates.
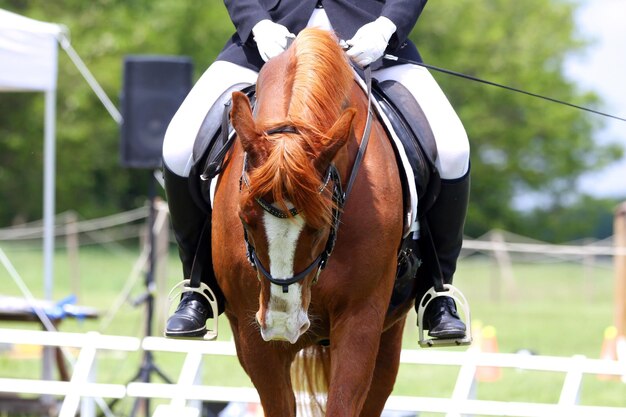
(446, 219)
(189, 221)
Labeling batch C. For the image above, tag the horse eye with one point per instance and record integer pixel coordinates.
(316, 233)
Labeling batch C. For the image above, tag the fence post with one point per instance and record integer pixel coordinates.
(82, 370)
(619, 242)
(71, 241)
(503, 260)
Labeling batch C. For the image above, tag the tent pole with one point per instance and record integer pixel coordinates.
(49, 173)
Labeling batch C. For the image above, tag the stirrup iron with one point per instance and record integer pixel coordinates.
(207, 293)
(462, 304)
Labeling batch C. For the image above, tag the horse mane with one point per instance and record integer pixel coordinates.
(321, 80)
(317, 83)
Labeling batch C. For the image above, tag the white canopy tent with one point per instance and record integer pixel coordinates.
(29, 62)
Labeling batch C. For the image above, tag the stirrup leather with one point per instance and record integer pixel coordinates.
(207, 293)
(462, 304)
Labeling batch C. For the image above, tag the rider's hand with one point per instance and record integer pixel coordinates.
(370, 41)
(271, 38)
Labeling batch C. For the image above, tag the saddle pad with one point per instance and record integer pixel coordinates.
(409, 123)
(411, 223)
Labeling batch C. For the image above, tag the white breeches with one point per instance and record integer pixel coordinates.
(450, 136)
(452, 143)
(184, 126)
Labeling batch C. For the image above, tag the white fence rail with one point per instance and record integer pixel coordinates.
(185, 394)
(80, 390)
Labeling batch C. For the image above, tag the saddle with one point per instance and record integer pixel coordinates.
(408, 123)
(213, 141)
(403, 119)
(411, 138)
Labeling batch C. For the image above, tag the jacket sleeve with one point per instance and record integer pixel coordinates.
(245, 14)
(404, 14)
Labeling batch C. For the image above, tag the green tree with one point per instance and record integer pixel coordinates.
(586, 217)
(89, 177)
(519, 144)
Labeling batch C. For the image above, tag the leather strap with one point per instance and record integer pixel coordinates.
(366, 134)
(201, 256)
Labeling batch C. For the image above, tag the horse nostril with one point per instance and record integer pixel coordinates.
(305, 327)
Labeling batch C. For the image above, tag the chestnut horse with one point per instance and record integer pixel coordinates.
(277, 205)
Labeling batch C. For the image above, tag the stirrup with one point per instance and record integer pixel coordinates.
(207, 293)
(462, 304)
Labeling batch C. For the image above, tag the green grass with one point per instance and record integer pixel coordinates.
(559, 309)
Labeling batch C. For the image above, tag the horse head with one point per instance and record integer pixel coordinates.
(290, 189)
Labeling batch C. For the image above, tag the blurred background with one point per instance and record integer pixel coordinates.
(538, 167)
(537, 266)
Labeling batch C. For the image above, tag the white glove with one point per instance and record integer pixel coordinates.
(370, 41)
(271, 38)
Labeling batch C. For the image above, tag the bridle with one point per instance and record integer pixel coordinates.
(321, 260)
(339, 199)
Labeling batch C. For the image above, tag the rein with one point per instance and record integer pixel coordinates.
(339, 198)
(494, 84)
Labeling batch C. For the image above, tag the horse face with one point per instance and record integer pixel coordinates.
(285, 246)
(283, 315)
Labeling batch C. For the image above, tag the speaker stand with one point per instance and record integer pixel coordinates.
(148, 365)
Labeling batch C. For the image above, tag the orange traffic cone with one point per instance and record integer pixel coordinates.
(609, 349)
(489, 344)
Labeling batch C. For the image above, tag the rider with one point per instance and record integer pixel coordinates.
(264, 28)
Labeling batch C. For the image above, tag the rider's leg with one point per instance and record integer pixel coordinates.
(189, 221)
(188, 218)
(446, 218)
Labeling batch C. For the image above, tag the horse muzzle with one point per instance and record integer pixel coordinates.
(280, 326)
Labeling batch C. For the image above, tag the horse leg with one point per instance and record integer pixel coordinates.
(386, 370)
(354, 347)
(268, 366)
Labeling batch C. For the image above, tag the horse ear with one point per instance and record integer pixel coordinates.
(243, 122)
(337, 136)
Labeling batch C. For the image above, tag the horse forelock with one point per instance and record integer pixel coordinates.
(288, 174)
(318, 81)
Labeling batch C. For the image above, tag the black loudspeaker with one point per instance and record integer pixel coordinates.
(153, 89)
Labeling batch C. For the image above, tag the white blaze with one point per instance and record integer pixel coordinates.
(285, 319)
